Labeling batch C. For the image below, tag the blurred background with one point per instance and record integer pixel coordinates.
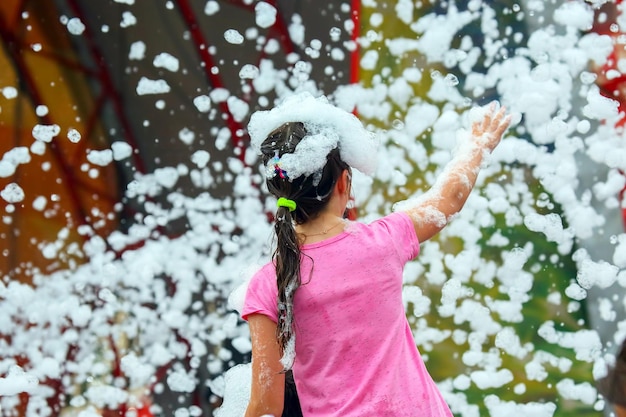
(123, 127)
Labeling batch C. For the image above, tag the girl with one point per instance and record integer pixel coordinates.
(329, 305)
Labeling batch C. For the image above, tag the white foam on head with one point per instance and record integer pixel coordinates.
(327, 127)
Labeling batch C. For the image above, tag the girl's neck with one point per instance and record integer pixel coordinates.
(320, 228)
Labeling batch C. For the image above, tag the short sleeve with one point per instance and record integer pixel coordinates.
(402, 233)
(262, 294)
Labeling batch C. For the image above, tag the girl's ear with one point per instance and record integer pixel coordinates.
(343, 183)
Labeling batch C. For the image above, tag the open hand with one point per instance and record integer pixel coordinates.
(490, 129)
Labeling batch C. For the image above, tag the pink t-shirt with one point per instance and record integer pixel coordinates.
(355, 353)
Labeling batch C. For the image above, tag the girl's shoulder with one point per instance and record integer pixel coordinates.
(394, 230)
(389, 223)
(266, 271)
(261, 293)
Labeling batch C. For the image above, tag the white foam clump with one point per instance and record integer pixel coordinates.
(436, 34)
(12, 193)
(148, 86)
(413, 294)
(265, 14)
(491, 379)
(166, 176)
(233, 36)
(591, 273)
(238, 108)
(186, 136)
(13, 158)
(599, 107)
(509, 342)
(552, 226)
(584, 392)
(249, 72)
(9, 92)
(100, 157)
(211, 7)
(167, 61)
(576, 14)
(121, 150)
(497, 407)
(586, 343)
(219, 95)
(106, 396)
(202, 103)
(75, 26)
(137, 51)
(73, 135)
(237, 391)
(297, 29)
(45, 133)
(17, 381)
(180, 381)
(327, 127)
(605, 308)
(369, 60)
(39, 203)
(41, 110)
(128, 19)
(619, 256)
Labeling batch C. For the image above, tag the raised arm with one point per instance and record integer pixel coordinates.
(432, 211)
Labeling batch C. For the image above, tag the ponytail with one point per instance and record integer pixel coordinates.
(287, 261)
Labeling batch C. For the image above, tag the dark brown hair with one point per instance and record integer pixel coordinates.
(311, 194)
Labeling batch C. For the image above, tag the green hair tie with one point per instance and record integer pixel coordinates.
(287, 203)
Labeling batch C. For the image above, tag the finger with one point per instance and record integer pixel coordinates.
(499, 117)
(499, 114)
(507, 121)
(485, 124)
(504, 125)
(503, 117)
(493, 110)
(486, 119)
(476, 128)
